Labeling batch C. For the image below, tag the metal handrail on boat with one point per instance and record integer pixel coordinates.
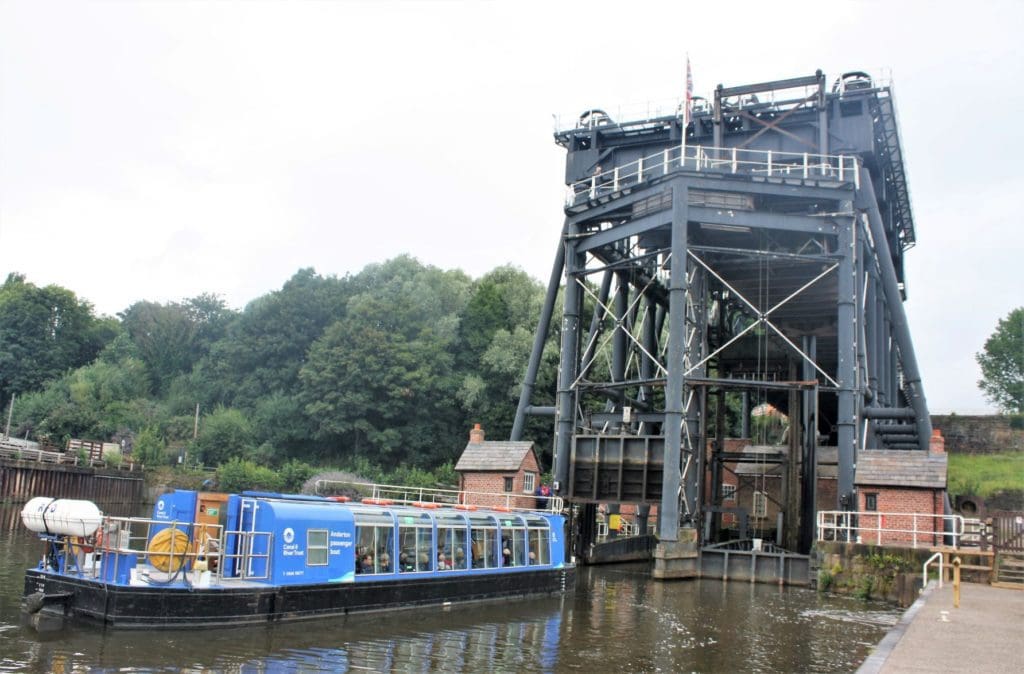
(405, 495)
(126, 537)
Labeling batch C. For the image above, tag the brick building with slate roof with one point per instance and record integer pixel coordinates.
(509, 470)
(895, 481)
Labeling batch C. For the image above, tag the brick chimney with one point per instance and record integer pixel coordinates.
(476, 435)
(936, 443)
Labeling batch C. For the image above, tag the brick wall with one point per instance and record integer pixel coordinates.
(828, 493)
(493, 484)
(901, 500)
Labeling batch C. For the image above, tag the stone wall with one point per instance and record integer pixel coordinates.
(869, 572)
(979, 434)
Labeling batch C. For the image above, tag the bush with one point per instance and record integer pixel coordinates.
(238, 475)
(863, 590)
(225, 434)
(445, 474)
(294, 474)
(149, 447)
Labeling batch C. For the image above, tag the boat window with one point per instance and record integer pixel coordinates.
(451, 548)
(316, 547)
(415, 542)
(513, 541)
(451, 541)
(375, 535)
(483, 542)
(540, 545)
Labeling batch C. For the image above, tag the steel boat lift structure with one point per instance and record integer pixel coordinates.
(752, 254)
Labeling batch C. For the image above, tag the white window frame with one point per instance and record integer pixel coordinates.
(760, 505)
(728, 492)
(529, 482)
(325, 548)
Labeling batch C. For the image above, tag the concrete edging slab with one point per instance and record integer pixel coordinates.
(874, 663)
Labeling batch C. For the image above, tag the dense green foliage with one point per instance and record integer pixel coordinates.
(44, 332)
(1002, 364)
(382, 372)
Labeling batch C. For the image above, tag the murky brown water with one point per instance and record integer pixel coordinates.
(619, 620)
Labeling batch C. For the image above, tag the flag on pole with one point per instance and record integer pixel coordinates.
(689, 94)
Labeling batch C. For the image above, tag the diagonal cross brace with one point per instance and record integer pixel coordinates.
(763, 317)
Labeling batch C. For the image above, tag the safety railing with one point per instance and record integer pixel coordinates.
(405, 495)
(188, 550)
(924, 570)
(731, 160)
(69, 458)
(890, 528)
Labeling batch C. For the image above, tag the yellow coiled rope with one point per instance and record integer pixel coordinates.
(166, 550)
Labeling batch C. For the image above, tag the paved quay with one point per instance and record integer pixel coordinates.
(985, 634)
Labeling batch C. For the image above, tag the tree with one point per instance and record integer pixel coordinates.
(496, 336)
(1002, 364)
(171, 338)
(264, 348)
(381, 383)
(44, 332)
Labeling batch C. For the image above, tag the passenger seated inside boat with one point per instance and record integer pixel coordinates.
(533, 557)
(385, 562)
(442, 562)
(460, 559)
(366, 564)
(424, 562)
(506, 557)
(405, 562)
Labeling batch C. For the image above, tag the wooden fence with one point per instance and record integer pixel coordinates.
(23, 479)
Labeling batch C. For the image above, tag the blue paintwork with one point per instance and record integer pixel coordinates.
(289, 521)
(176, 506)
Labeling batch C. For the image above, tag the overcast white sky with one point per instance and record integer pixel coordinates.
(157, 150)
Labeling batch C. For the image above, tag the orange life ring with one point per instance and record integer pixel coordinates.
(502, 509)
(377, 501)
(422, 504)
(464, 506)
(339, 499)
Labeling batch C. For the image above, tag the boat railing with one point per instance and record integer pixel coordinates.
(406, 495)
(125, 548)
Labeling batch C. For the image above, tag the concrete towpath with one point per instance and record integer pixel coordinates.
(986, 634)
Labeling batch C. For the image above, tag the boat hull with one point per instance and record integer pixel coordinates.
(149, 607)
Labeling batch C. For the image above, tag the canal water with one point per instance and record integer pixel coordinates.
(618, 620)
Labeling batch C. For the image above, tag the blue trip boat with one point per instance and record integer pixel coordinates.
(206, 559)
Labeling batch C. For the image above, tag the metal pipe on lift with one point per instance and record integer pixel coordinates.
(866, 200)
(896, 429)
(538, 340)
(889, 413)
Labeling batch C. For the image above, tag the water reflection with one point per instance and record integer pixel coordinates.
(618, 620)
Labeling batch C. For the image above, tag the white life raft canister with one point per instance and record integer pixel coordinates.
(61, 516)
